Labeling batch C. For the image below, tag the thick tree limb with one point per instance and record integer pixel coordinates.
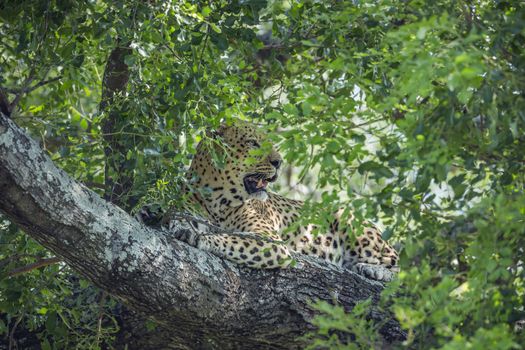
(202, 300)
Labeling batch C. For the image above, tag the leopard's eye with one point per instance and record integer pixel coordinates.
(252, 143)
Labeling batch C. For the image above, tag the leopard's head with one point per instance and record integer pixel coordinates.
(249, 165)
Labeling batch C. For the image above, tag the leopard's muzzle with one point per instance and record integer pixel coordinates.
(257, 182)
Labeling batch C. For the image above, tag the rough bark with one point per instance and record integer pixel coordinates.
(201, 300)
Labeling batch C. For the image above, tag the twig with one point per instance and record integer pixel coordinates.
(367, 123)
(6, 261)
(35, 265)
(100, 316)
(31, 76)
(204, 46)
(29, 89)
(12, 334)
(173, 52)
(25, 85)
(92, 184)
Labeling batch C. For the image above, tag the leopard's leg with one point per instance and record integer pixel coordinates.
(255, 252)
(373, 271)
(371, 256)
(372, 249)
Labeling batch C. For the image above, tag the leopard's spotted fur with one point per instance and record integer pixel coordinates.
(230, 206)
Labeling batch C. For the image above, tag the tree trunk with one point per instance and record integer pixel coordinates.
(200, 300)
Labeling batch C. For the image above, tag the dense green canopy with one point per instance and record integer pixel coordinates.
(408, 113)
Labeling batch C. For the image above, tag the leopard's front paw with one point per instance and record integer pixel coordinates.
(187, 235)
(376, 272)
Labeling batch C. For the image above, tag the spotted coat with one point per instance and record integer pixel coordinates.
(235, 198)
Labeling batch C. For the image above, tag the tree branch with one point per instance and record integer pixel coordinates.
(29, 89)
(19, 94)
(35, 265)
(7, 107)
(118, 178)
(199, 299)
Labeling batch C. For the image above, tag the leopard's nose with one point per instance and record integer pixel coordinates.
(276, 163)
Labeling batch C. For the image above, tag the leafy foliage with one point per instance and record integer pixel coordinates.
(406, 113)
(50, 307)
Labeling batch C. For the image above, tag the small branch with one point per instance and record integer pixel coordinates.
(204, 46)
(92, 184)
(468, 12)
(31, 76)
(9, 259)
(18, 96)
(101, 302)
(34, 87)
(173, 52)
(35, 265)
(13, 330)
(42, 83)
(369, 122)
(7, 107)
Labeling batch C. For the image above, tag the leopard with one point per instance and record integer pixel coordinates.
(234, 197)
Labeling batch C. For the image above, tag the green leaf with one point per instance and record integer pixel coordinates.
(378, 169)
(84, 124)
(215, 28)
(206, 10)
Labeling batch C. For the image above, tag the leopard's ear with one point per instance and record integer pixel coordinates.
(217, 132)
(221, 130)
